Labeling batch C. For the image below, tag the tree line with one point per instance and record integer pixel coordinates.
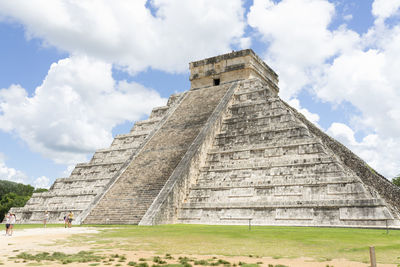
(15, 195)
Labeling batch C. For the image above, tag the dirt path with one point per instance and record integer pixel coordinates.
(43, 240)
(37, 239)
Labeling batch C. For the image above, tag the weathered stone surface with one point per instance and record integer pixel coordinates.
(228, 151)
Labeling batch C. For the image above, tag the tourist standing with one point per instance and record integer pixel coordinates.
(7, 223)
(70, 219)
(65, 221)
(12, 222)
(46, 218)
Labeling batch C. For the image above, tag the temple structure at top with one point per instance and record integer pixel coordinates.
(240, 65)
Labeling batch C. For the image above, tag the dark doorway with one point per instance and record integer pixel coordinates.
(216, 82)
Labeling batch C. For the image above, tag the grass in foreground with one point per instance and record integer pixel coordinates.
(33, 226)
(96, 260)
(82, 256)
(321, 244)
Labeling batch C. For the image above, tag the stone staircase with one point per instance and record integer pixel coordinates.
(89, 180)
(135, 190)
(266, 166)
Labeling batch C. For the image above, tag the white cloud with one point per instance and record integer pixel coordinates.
(127, 34)
(313, 117)
(348, 17)
(11, 174)
(42, 182)
(382, 154)
(364, 79)
(68, 170)
(299, 39)
(342, 133)
(74, 110)
(383, 9)
(368, 78)
(245, 43)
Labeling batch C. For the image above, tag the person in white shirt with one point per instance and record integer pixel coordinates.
(7, 223)
(46, 218)
(12, 221)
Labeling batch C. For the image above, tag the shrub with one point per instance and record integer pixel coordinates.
(201, 262)
(158, 260)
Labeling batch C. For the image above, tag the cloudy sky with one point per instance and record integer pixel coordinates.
(75, 73)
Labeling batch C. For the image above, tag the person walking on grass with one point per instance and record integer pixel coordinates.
(70, 219)
(46, 218)
(7, 223)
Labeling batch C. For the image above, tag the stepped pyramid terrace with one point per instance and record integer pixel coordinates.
(227, 151)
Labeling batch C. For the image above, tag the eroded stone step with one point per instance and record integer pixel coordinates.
(289, 157)
(112, 155)
(288, 204)
(293, 144)
(262, 183)
(258, 105)
(159, 112)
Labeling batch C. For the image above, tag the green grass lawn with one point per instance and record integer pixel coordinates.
(31, 226)
(319, 243)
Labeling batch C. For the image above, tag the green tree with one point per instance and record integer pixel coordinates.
(15, 195)
(17, 188)
(10, 200)
(396, 180)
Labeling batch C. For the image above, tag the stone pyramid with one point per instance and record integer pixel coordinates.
(228, 151)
